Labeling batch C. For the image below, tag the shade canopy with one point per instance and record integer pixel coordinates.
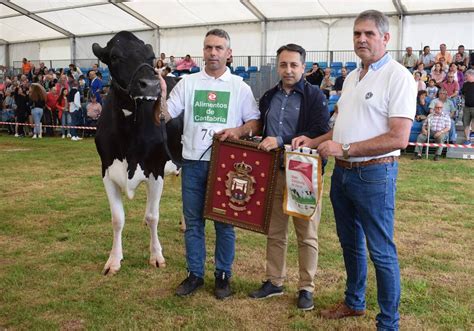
(33, 20)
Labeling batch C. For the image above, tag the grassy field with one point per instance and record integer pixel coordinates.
(55, 236)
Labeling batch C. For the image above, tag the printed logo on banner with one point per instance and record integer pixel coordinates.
(301, 178)
(211, 106)
(240, 186)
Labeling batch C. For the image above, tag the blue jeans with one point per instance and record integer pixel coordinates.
(363, 200)
(65, 121)
(37, 113)
(453, 135)
(194, 180)
(76, 118)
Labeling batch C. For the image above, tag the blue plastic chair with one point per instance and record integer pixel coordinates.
(239, 69)
(334, 98)
(244, 75)
(252, 69)
(323, 65)
(195, 69)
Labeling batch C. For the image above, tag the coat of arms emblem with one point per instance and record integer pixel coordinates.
(240, 186)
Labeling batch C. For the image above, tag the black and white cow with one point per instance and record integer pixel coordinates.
(129, 142)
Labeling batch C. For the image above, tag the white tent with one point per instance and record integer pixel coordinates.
(65, 29)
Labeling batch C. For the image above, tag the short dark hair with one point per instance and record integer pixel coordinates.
(293, 48)
(426, 47)
(219, 33)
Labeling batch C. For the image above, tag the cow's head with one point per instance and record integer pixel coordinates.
(130, 63)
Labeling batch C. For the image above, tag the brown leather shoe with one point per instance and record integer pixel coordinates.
(340, 311)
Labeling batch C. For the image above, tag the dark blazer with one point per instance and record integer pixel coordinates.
(314, 116)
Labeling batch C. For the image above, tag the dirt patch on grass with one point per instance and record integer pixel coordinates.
(72, 325)
(15, 149)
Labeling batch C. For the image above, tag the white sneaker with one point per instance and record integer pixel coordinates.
(63, 136)
(78, 138)
(17, 135)
(34, 136)
(74, 139)
(69, 135)
(40, 136)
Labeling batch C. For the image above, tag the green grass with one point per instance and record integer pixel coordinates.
(55, 236)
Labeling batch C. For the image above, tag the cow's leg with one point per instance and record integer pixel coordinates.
(118, 220)
(155, 188)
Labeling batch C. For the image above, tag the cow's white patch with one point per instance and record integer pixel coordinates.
(171, 169)
(117, 172)
(126, 112)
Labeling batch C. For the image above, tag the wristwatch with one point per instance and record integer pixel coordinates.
(345, 151)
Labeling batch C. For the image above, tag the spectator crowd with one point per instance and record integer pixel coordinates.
(69, 97)
(443, 80)
(44, 96)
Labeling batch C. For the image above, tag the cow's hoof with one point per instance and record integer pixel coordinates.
(157, 263)
(182, 225)
(111, 267)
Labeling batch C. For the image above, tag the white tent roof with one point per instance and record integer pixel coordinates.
(28, 20)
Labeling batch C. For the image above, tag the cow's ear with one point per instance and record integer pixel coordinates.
(98, 51)
(150, 48)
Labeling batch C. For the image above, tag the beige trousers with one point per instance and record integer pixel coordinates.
(277, 242)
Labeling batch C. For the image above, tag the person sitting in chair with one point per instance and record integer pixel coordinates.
(439, 124)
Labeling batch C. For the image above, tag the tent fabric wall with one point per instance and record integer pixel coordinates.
(29, 50)
(433, 30)
(310, 34)
(246, 38)
(3, 54)
(84, 44)
(55, 50)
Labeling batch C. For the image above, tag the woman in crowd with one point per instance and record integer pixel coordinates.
(8, 111)
(51, 99)
(419, 83)
(62, 105)
(327, 84)
(21, 111)
(160, 65)
(62, 83)
(438, 74)
(421, 69)
(37, 96)
(422, 107)
(453, 69)
(75, 71)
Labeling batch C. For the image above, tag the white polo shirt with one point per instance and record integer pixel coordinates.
(210, 105)
(387, 90)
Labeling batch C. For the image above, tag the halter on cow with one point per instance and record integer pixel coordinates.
(129, 143)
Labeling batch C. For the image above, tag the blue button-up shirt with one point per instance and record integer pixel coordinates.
(282, 117)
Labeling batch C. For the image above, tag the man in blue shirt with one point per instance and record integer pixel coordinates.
(96, 85)
(293, 107)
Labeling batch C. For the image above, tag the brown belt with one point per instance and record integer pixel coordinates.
(350, 165)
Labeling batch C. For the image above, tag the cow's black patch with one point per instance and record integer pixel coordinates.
(134, 138)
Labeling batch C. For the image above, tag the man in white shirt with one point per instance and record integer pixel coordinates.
(376, 111)
(214, 102)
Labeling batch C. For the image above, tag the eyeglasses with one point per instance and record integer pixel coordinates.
(438, 107)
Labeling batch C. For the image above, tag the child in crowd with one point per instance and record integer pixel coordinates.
(432, 90)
